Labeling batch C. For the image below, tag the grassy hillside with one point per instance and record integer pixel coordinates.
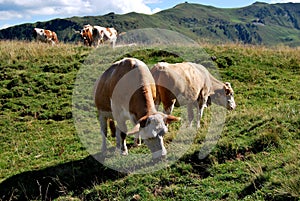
(259, 23)
(43, 158)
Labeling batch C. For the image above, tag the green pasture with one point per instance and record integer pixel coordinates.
(43, 156)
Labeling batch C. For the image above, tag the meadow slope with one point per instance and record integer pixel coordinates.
(43, 158)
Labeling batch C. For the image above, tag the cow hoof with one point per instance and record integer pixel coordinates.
(137, 144)
(159, 159)
(124, 153)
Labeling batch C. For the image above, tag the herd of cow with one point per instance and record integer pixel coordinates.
(128, 90)
(91, 35)
(142, 90)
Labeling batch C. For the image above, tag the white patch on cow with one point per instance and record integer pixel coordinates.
(155, 126)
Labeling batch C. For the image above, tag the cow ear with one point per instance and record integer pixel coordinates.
(170, 119)
(134, 130)
(227, 88)
(144, 121)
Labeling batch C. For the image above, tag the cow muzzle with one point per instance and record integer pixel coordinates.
(156, 146)
(231, 105)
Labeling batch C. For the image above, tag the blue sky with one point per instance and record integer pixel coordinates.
(14, 12)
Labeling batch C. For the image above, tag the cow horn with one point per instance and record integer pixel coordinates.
(134, 130)
(76, 31)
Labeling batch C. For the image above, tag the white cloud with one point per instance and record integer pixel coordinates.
(6, 15)
(13, 12)
(12, 9)
(156, 10)
(121, 6)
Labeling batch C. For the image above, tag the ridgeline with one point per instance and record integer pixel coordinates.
(259, 23)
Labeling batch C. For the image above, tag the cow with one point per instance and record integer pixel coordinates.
(126, 91)
(110, 34)
(86, 34)
(97, 35)
(45, 35)
(192, 85)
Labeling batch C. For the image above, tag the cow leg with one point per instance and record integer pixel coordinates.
(199, 115)
(169, 107)
(157, 102)
(124, 150)
(200, 109)
(112, 127)
(137, 140)
(121, 140)
(97, 43)
(190, 114)
(113, 43)
(103, 130)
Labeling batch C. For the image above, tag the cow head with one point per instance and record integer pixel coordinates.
(224, 97)
(152, 129)
(87, 36)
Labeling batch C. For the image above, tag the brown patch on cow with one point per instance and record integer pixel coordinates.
(48, 33)
(110, 32)
(87, 37)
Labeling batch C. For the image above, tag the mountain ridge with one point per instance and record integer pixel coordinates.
(259, 23)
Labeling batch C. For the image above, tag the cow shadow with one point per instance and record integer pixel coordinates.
(52, 182)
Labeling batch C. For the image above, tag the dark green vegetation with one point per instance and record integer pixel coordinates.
(42, 158)
(259, 23)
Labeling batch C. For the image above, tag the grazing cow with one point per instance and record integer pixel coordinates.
(97, 35)
(192, 85)
(110, 34)
(44, 35)
(126, 91)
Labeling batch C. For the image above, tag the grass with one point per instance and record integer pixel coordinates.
(43, 156)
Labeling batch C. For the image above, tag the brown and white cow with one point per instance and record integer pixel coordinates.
(110, 34)
(97, 35)
(192, 85)
(102, 34)
(86, 34)
(45, 35)
(126, 91)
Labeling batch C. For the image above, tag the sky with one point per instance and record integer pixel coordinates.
(15, 12)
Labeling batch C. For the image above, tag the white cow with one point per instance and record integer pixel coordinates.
(192, 85)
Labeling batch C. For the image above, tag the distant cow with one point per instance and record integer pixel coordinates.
(192, 85)
(97, 35)
(109, 34)
(44, 35)
(86, 34)
(126, 91)
(102, 34)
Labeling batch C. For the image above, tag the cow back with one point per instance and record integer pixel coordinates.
(126, 81)
(182, 80)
